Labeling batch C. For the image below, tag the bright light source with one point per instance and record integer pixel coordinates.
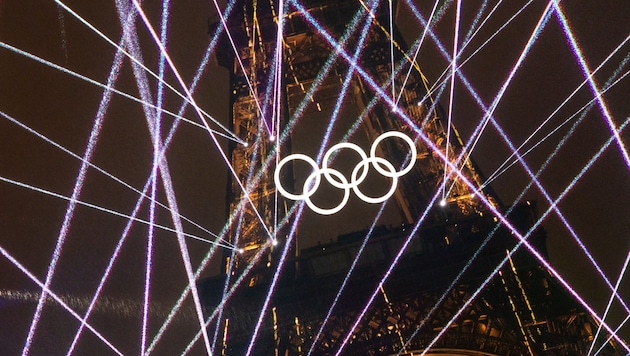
(274, 242)
(245, 144)
(443, 202)
(272, 138)
(240, 250)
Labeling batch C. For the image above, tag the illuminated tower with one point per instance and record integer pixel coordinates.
(253, 30)
(518, 310)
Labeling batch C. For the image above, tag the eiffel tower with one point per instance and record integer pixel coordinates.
(520, 309)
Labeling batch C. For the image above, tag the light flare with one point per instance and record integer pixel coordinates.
(103, 209)
(110, 88)
(197, 109)
(189, 99)
(610, 301)
(69, 213)
(539, 127)
(591, 81)
(451, 96)
(484, 108)
(608, 339)
(387, 273)
(59, 300)
(157, 153)
(428, 142)
(346, 278)
(523, 240)
(240, 62)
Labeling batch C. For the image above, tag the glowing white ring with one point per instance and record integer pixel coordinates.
(337, 147)
(283, 191)
(409, 141)
(317, 175)
(373, 160)
(338, 180)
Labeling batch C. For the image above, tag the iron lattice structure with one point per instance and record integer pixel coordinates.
(520, 311)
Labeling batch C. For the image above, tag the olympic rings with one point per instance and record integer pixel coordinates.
(338, 180)
(409, 141)
(283, 191)
(337, 147)
(317, 175)
(375, 162)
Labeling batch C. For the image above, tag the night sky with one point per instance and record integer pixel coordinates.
(37, 98)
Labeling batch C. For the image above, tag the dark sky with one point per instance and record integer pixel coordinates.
(63, 109)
